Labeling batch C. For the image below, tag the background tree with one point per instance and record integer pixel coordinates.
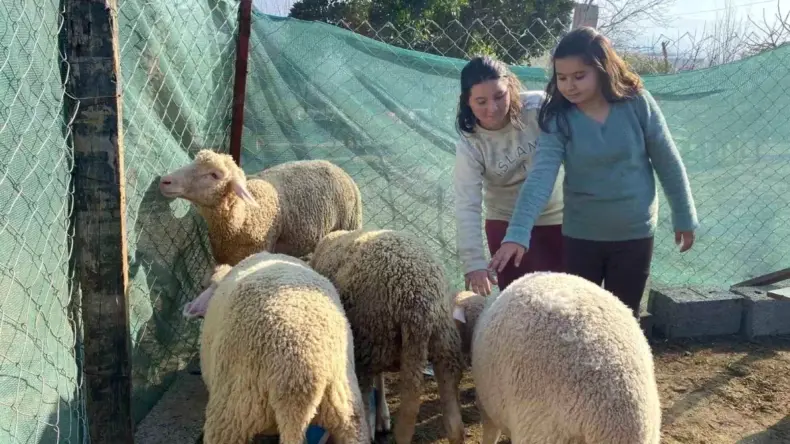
(513, 30)
(622, 20)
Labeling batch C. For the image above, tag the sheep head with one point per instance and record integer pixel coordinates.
(467, 308)
(207, 180)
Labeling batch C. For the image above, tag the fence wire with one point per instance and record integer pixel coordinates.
(40, 384)
(177, 66)
(366, 99)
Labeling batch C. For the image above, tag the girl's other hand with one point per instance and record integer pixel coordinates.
(480, 282)
(508, 250)
(685, 239)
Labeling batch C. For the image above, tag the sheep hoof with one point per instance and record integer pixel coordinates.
(383, 427)
(383, 422)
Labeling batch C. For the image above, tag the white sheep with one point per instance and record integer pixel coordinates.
(558, 359)
(398, 303)
(286, 209)
(277, 354)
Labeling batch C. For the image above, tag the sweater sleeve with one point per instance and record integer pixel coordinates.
(536, 190)
(468, 187)
(669, 167)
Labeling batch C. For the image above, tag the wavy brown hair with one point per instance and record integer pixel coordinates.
(482, 69)
(618, 81)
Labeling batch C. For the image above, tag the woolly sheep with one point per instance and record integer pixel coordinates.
(277, 354)
(558, 359)
(398, 303)
(286, 209)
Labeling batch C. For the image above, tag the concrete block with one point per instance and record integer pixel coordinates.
(685, 311)
(780, 293)
(764, 314)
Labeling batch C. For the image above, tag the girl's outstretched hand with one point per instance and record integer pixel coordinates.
(685, 239)
(480, 281)
(507, 251)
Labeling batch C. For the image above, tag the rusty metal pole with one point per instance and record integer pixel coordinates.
(240, 79)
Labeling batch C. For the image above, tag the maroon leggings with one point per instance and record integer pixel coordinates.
(545, 251)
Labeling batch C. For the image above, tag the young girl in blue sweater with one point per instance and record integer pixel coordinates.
(608, 132)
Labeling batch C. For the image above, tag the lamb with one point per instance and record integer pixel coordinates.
(558, 359)
(286, 209)
(398, 303)
(277, 354)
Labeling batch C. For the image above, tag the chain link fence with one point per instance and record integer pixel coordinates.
(380, 102)
(40, 384)
(177, 66)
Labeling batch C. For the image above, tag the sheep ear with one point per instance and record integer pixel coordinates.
(459, 314)
(197, 307)
(240, 188)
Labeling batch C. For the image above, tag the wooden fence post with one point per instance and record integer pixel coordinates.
(100, 252)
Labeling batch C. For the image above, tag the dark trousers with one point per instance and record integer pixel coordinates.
(623, 266)
(544, 253)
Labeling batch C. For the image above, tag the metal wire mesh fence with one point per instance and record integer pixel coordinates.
(176, 75)
(378, 101)
(40, 384)
(177, 65)
(382, 106)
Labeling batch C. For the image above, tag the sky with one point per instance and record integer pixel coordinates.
(691, 15)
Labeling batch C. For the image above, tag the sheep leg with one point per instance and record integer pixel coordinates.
(414, 356)
(490, 431)
(383, 421)
(448, 380)
(220, 426)
(347, 423)
(366, 389)
(292, 425)
(295, 411)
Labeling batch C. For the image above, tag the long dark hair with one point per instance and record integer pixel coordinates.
(482, 69)
(618, 81)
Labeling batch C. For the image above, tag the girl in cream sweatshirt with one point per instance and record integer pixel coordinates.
(499, 129)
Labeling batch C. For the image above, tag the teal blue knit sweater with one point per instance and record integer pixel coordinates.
(609, 186)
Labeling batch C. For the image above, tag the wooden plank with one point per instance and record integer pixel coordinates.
(100, 252)
(766, 279)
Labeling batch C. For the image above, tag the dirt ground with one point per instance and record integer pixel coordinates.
(722, 391)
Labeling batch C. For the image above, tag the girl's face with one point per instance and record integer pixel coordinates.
(490, 102)
(576, 81)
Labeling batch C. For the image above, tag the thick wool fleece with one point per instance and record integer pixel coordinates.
(558, 359)
(398, 302)
(277, 354)
(299, 202)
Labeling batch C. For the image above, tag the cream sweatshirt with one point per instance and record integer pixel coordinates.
(490, 168)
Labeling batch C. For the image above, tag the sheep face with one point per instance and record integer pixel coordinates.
(467, 309)
(208, 179)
